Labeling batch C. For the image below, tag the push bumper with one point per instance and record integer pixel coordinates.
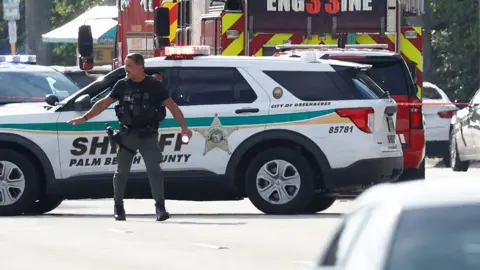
(363, 174)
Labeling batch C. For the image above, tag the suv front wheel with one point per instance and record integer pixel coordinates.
(280, 181)
(18, 183)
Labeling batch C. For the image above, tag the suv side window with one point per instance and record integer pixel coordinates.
(343, 84)
(307, 85)
(211, 86)
(345, 237)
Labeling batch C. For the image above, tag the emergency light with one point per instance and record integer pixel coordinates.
(21, 59)
(179, 51)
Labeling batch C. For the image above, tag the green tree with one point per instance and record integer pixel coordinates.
(456, 47)
(64, 11)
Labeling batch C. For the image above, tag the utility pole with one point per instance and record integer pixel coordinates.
(11, 13)
(37, 22)
(427, 41)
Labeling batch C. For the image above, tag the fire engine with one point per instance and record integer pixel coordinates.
(256, 28)
(242, 27)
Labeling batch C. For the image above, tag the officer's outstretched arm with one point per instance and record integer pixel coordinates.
(99, 107)
(176, 112)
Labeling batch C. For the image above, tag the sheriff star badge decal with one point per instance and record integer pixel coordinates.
(216, 136)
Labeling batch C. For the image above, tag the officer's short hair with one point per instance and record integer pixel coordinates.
(137, 58)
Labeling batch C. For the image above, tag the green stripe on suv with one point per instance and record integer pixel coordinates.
(171, 123)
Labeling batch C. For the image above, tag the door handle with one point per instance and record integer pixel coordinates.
(247, 110)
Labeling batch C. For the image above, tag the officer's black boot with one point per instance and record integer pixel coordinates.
(119, 211)
(160, 211)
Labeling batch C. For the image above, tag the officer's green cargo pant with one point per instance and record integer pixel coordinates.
(151, 155)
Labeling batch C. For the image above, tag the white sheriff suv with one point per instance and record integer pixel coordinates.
(292, 135)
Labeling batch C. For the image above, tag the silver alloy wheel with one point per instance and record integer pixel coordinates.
(278, 182)
(12, 183)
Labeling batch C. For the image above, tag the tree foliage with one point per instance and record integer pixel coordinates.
(456, 46)
(62, 12)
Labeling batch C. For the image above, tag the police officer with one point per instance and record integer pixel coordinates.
(142, 101)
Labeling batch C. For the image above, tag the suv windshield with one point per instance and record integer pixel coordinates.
(20, 86)
(391, 76)
(439, 238)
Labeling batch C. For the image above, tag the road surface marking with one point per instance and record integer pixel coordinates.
(307, 263)
(208, 246)
(118, 231)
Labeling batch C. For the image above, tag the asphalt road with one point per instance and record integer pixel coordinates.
(211, 235)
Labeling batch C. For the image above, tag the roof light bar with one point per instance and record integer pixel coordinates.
(22, 59)
(187, 50)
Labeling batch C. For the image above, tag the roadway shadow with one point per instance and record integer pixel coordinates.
(220, 219)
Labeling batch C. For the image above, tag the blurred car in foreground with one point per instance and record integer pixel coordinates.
(418, 225)
(438, 110)
(465, 135)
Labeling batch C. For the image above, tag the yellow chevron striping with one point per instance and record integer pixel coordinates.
(275, 40)
(365, 39)
(236, 47)
(173, 31)
(410, 51)
(228, 20)
(418, 30)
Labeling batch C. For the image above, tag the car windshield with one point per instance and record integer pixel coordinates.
(440, 238)
(18, 86)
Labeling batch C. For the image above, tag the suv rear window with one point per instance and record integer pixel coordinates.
(344, 84)
(391, 76)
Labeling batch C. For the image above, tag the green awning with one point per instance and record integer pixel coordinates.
(102, 19)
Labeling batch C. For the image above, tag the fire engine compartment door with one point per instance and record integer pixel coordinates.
(291, 16)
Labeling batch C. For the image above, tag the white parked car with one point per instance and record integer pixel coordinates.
(438, 111)
(417, 225)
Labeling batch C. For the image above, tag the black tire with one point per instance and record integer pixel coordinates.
(412, 174)
(455, 163)
(31, 191)
(307, 181)
(319, 203)
(45, 205)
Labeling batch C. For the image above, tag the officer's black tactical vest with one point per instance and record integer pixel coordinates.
(140, 109)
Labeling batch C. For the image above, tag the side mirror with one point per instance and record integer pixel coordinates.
(161, 22)
(51, 99)
(85, 40)
(85, 47)
(85, 62)
(82, 103)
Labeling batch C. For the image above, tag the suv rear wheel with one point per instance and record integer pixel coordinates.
(18, 183)
(280, 181)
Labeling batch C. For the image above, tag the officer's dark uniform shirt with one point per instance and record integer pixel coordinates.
(157, 93)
